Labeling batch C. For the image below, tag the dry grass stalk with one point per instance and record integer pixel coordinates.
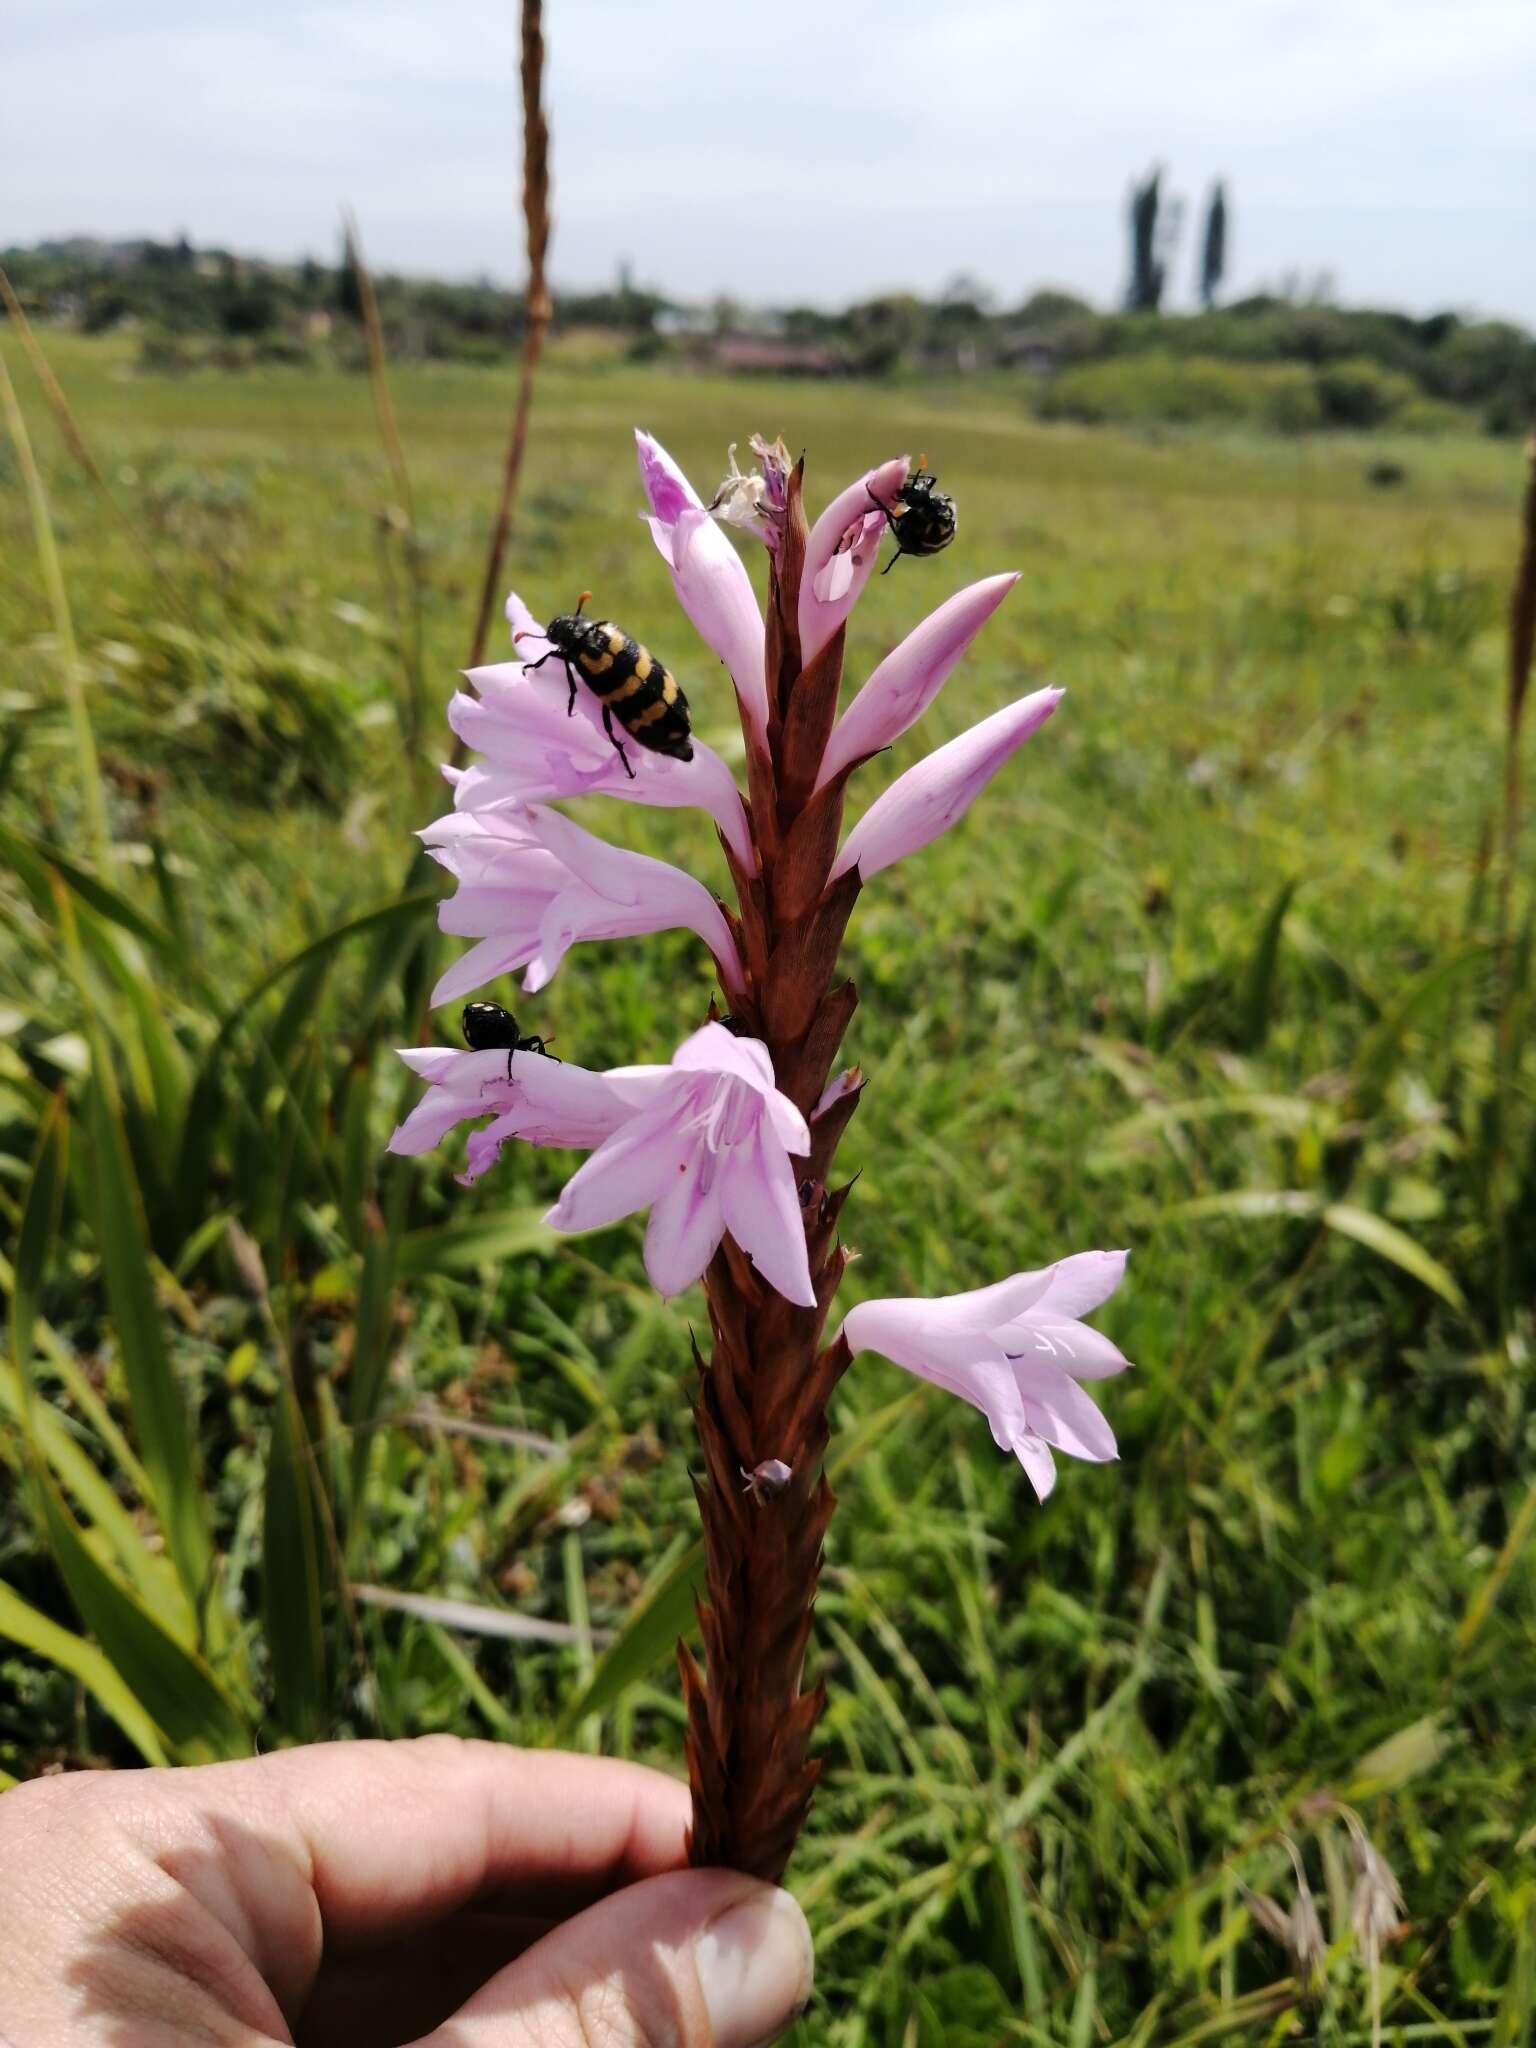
(537, 311)
(764, 1393)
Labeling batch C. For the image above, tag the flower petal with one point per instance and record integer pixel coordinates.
(762, 1213)
(1083, 1282)
(686, 1226)
(929, 798)
(821, 616)
(708, 575)
(627, 1172)
(1084, 1352)
(537, 745)
(908, 680)
(713, 1049)
(533, 883)
(1039, 1465)
(1062, 1413)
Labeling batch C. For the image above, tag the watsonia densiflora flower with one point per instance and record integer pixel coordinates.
(729, 1146)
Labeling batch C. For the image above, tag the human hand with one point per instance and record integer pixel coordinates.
(451, 1894)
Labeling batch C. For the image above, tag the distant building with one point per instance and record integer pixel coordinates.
(769, 356)
(1035, 349)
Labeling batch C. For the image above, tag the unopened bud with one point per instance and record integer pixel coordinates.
(767, 1481)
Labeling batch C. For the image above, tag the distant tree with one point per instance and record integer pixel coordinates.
(349, 293)
(1213, 251)
(1153, 232)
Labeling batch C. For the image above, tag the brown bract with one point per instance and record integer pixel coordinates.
(764, 1391)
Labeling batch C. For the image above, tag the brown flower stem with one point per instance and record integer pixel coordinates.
(764, 1392)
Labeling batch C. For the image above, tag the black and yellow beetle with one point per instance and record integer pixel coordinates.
(628, 681)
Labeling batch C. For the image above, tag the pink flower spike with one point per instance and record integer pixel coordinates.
(545, 1101)
(929, 798)
(841, 552)
(707, 1149)
(532, 883)
(908, 680)
(1016, 1351)
(535, 747)
(710, 578)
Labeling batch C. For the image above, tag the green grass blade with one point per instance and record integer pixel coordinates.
(1258, 983)
(159, 1408)
(23, 1625)
(39, 1227)
(648, 1637)
(474, 1241)
(1388, 1242)
(293, 1547)
(87, 765)
(198, 1719)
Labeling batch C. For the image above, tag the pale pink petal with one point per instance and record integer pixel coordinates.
(907, 681)
(666, 487)
(1083, 1282)
(929, 798)
(628, 1172)
(431, 1121)
(537, 746)
(548, 1102)
(1039, 1465)
(984, 1308)
(762, 1213)
(438, 1062)
(482, 1148)
(1085, 1352)
(475, 968)
(715, 1050)
(1062, 1413)
(820, 617)
(687, 1224)
(708, 575)
(904, 1331)
(789, 1127)
(533, 883)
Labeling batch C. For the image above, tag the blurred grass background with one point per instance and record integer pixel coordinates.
(1214, 971)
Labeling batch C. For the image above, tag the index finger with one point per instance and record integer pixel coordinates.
(394, 1835)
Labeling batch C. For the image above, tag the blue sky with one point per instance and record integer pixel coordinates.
(798, 149)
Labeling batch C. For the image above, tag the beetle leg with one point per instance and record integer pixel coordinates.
(618, 743)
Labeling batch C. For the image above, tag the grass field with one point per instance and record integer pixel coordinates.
(1208, 973)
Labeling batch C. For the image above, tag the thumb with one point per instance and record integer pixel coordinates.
(695, 1959)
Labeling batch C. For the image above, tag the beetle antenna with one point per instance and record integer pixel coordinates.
(583, 599)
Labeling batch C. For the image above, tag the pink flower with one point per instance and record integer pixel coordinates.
(532, 883)
(929, 798)
(710, 578)
(1016, 1351)
(704, 1143)
(908, 680)
(707, 1149)
(841, 550)
(546, 1101)
(532, 750)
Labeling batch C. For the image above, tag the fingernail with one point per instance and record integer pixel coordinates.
(755, 1969)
